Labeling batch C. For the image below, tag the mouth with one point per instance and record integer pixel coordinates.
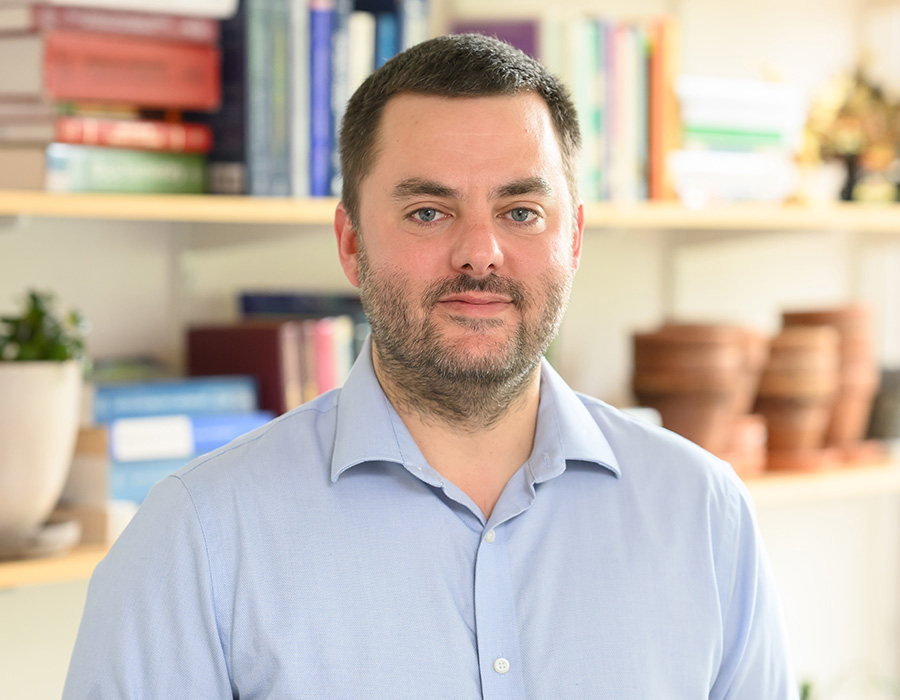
(475, 304)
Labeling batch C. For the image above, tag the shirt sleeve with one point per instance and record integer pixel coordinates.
(756, 658)
(149, 627)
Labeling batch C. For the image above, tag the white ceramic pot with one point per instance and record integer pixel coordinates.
(40, 405)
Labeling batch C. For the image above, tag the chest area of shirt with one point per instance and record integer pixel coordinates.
(425, 604)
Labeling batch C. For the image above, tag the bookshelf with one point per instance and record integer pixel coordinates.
(663, 216)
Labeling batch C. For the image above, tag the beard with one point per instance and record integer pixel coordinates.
(468, 382)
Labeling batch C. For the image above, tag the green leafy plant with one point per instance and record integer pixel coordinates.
(40, 333)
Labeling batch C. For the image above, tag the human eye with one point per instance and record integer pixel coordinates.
(426, 215)
(522, 215)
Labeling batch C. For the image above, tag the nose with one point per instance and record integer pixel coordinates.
(477, 250)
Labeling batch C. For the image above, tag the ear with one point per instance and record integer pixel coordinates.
(578, 234)
(347, 243)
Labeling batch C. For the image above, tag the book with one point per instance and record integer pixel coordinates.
(522, 33)
(64, 65)
(361, 61)
(299, 304)
(189, 395)
(387, 37)
(258, 104)
(141, 134)
(414, 22)
(178, 435)
(300, 95)
(664, 127)
(73, 168)
(44, 17)
(340, 85)
(321, 130)
(269, 351)
(204, 8)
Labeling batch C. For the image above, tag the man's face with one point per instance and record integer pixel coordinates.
(470, 238)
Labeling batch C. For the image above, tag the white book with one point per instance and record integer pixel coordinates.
(203, 8)
(362, 48)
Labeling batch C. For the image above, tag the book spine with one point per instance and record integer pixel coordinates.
(72, 168)
(299, 49)
(139, 134)
(174, 436)
(414, 22)
(321, 20)
(82, 66)
(227, 162)
(386, 37)
(195, 396)
(297, 304)
(340, 85)
(279, 94)
(153, 25)
(258, 103)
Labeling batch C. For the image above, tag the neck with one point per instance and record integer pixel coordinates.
(475, 437)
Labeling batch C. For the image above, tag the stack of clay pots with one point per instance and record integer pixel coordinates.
(703, 379)
(796, 394)
(858, 375)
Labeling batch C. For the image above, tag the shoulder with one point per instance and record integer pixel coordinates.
(665, 468)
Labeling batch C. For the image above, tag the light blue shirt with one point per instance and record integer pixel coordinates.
(321, 557)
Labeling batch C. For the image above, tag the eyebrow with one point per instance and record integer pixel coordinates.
(418, 187)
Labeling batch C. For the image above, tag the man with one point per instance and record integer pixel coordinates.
(455, 522)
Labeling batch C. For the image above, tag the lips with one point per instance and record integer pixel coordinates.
(478, 305)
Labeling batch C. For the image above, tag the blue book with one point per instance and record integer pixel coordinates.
(321, 24)
(298, 304)
(387, 37)
(190, 395)
(340, 84)
(177, 436)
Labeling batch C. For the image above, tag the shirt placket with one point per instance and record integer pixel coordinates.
(496, 624)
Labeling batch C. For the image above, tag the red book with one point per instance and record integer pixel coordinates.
(140, 134)
(44, 17)
(269, 351)
(82, 66)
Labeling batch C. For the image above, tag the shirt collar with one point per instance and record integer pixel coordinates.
(369, 429)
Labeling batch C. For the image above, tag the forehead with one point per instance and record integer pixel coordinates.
(481, 132)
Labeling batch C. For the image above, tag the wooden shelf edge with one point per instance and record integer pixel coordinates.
(169, 208)
(647, 216)
(793, 489)
(76, 565)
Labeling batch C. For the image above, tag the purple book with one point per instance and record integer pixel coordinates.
(521, 33)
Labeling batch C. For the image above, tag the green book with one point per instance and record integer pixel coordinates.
(72, 168)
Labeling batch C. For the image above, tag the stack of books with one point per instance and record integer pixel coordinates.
(92, 95)
(739, 141)
(157, 426)
(295, 345)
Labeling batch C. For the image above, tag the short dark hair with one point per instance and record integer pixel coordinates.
(461, 65)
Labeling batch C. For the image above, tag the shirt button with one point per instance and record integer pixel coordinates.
(501, 665)
(490, 536)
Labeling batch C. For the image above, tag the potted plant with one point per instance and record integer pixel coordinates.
(41, 376)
